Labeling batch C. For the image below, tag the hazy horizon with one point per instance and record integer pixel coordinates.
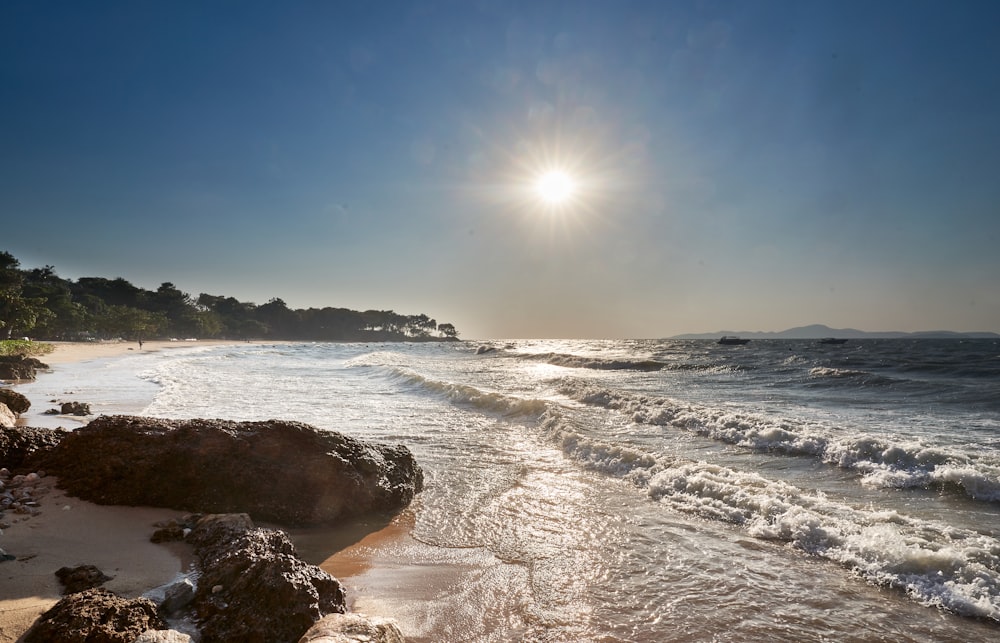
(753, 166)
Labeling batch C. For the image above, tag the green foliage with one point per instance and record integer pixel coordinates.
(18, 313)
(50, 307)
(24, 347)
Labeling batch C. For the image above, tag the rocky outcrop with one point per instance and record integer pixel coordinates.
(19, 367)
(21, 447)
(15, 401)
(351, 628)
(253, 587)
(283, 472)
(7, 417)
(163, 636)
(74, 408)
(80, 578)
(95, 616)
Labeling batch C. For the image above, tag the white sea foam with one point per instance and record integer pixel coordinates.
(880, 462)
(935, 563)
(489, 413)
(464, 394)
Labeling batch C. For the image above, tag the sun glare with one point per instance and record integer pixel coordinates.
(555, 187)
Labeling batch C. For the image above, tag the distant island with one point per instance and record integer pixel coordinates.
(819, 331)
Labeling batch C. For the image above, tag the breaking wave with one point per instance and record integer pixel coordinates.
(934, 563)
(880, 462)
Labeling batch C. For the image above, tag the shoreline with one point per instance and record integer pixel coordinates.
(69, 352)
(68, 531)
(115, 538)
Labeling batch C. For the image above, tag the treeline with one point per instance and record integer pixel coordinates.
(40, 304)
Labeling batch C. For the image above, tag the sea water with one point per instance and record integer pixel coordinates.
(642, 490)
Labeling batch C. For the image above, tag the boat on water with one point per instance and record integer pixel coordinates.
(833, 340)
(732, 341)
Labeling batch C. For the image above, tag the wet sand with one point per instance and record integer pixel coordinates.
(70, 532)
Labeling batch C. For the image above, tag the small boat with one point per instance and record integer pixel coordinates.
(833, 340)
(732, 341)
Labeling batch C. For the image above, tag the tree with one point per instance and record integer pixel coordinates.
(125, 321)
(68, 317)
(448, 330)
(180, 310)
(279, 319)
(17, 312)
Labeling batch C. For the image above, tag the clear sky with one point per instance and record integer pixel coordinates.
(748, 165)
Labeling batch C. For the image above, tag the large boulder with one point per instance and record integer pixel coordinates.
(7, 417)
(95, 616)
(19, 367)
(282, 472)
(351, 628)
(15, 401)
(23, 446)
(253, 587)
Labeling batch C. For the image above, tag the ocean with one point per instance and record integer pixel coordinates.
(654, 490)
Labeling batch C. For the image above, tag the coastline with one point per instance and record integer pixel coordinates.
(69, 532)
(67, 352)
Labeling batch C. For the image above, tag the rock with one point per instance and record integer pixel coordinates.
(15, 401)
(172, 530)
(254, 588)
(352, 628)
(7, 417)
(19, 367)
(276, 471)
(178, 596)
(21, 446)
(77, 579)
(75, 408)
(215, 529)
(95, 616)
(163, 636)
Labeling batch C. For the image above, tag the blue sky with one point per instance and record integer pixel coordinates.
(739, 165)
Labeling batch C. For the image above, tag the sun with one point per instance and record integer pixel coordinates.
(555, 187)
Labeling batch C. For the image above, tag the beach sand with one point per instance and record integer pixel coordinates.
(67, 352)
(70, 532)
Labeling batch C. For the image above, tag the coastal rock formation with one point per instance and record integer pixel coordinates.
(79, 578)
(351, 628)
(7, 417)
(163, 636)
(22, 446)
(177, 597)
(95, 616)
(276, 471)
(15, 401)
(253, 587)
(75, 408)
(19, 367)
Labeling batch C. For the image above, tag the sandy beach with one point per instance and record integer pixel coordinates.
(71, 532)
(66, 352)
